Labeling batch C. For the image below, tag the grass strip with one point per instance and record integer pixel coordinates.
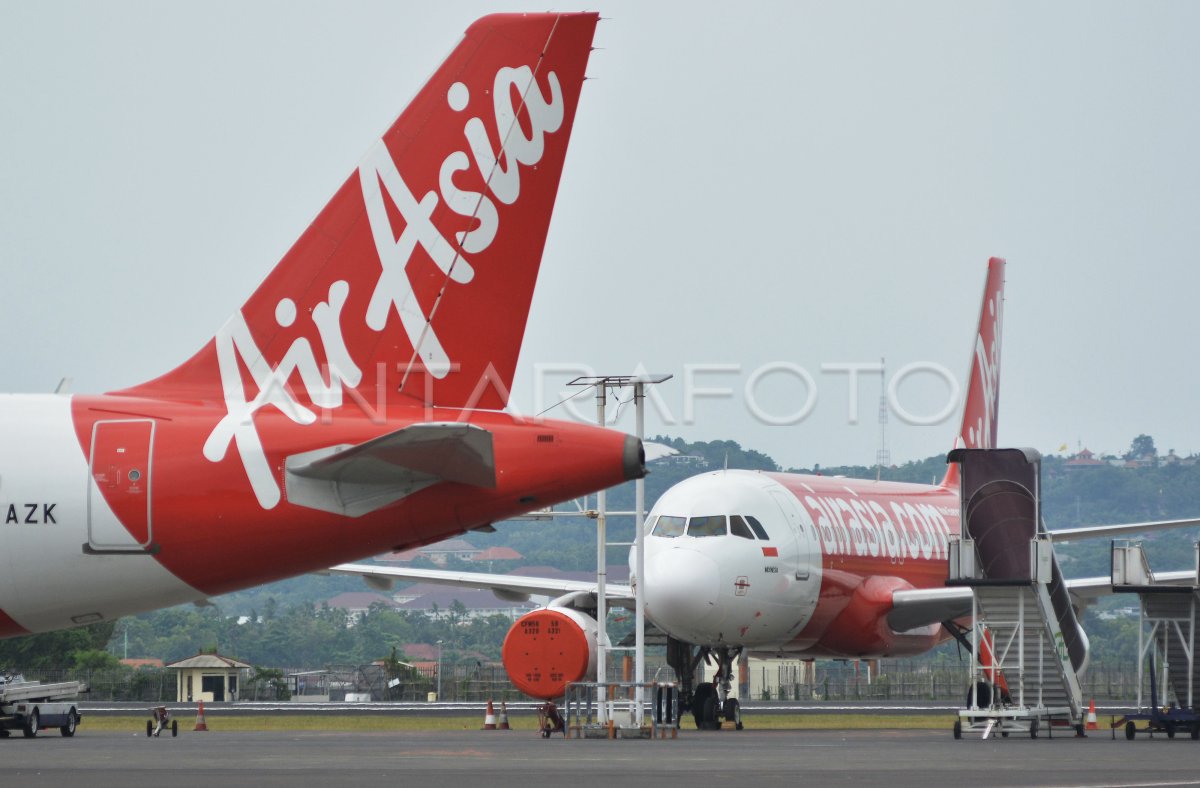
(519, 722)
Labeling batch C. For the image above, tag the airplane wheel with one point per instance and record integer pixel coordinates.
(704, 706)
(732, 712)
(958, 729)
(982, 694)
(1033, 729)
(709, 711)
(1130, 730)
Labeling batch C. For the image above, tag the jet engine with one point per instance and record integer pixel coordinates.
(548, 648)
(861, 628)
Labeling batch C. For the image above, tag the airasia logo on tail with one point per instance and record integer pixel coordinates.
(234, 341)
(979, 422)
(324, 385)
(500, 171)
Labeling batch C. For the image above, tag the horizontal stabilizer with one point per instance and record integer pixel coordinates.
(357, 479)
(919, 607)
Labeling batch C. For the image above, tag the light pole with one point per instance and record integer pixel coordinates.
(639, 383)
(439, 671)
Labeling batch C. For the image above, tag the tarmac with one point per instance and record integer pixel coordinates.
(896, 759)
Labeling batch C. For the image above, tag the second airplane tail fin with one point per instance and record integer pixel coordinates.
(978, 430)
(415, 280)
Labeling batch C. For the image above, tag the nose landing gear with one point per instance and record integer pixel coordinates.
(711, 702)
(704, 708)
(710, 713)
(733, 712)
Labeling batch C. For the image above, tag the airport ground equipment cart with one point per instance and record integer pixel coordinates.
(622, 710)
(160, 721)
(1169, 720)
(31, 706)
(1167, 635)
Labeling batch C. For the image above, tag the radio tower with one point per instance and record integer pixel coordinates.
(883, 457)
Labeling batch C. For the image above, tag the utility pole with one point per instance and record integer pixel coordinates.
(639, 564)
(883, 457)
(439, 672)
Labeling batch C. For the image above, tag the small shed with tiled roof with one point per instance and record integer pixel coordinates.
(207, 677)
(499, 554)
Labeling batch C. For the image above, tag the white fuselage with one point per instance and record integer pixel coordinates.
(727, 589)
(47, 500)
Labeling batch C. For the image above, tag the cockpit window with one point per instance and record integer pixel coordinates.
(648, 526)
(669, 526)
(738, 527)
(707, 526)
(759, 531)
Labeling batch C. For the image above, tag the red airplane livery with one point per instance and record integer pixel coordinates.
(354, 403)
(768, 563)
(826, 559)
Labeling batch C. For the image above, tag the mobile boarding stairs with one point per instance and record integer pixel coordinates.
(1026, 645)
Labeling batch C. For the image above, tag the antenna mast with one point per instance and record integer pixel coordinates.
(883, 457)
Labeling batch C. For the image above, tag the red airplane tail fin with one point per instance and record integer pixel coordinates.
(414, 282)
(978, 430)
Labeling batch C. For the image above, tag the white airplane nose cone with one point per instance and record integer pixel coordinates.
(681, 587)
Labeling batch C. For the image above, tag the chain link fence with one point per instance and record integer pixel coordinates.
(900, 680)
(791, 680)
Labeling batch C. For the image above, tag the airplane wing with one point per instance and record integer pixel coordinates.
(1085, 590)
(356, 479)
(923, 606)
(511, 588)
(656, 451)
(1121, 529)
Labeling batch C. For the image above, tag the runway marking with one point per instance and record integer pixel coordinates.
(1157, 784)
(444, 754)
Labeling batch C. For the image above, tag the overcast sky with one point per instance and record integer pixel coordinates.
(791, 183)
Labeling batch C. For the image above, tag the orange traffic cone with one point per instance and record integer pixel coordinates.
(489, 720)
(503, 726)
(200, 724)
(1092, 723)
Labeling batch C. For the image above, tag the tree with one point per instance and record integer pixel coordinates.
(1142, 446)
(53, 649)
(94, 659)
(271, 682)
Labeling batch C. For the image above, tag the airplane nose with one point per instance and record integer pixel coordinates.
(681, 587)
(634, 458)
